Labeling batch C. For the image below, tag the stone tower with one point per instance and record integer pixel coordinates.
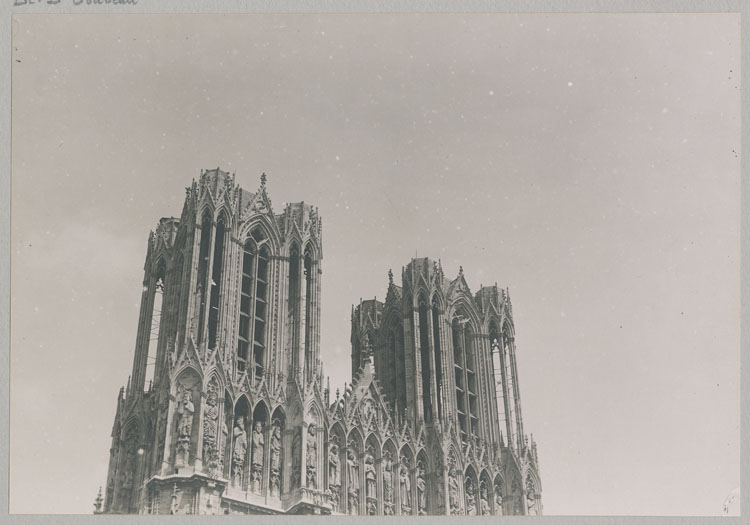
(446, 361)
(225, 410)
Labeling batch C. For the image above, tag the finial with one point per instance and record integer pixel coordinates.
(98, 502)
(263, 179)
(390, 276)
(460, 270)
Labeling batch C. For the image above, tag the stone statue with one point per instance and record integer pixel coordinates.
(370, 474)
(239, 453)
(484, 504)
(498, 500)
(296, 459)
(388, 476)
(440, 480)
(185, 410)
(352, 470)
(334, 490)
(405, 485)
(275, 458)
(210, 423)
(353, 502)
(257, 461)
(470, 498)
(334, 474)
(453, 492)
(312, 456)
(530, 498)
(421, 490)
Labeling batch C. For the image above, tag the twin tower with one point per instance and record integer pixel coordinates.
(226, 410)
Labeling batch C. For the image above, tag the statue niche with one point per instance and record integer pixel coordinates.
(370, 482)
(334, 473)
(239, 453)
(257, 461)
(185, 410)
(405, 487)
(311, 456)
(275, 478)
(211, 456)
(388, 483)
(421, 490)
(352, 474)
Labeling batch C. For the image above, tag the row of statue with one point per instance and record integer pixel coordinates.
(213, 460)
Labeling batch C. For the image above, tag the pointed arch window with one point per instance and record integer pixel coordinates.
(472, 383)
(156, 318)
(498, 374)
(215, 284)
(438, 357)
(293, 303)
(309, 365)
(464, 365)
(458, 369)
(424, 345)
(203, 263)
(251, 340)
(510, 378)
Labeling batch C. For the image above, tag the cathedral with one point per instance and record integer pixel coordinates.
(226, 410)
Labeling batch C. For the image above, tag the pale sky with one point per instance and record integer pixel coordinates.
(587, 162)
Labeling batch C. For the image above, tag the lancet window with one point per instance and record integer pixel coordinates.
(438, 358)
(153, 338)
(251, 345)
(465, 370)
(215, 284)
(424, 344)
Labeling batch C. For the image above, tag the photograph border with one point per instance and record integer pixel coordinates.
(10, 8)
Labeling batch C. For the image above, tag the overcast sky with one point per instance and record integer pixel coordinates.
(587, 162)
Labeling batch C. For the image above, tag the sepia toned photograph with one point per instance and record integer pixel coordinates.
(375, 264)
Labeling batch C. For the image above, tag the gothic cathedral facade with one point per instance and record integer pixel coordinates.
(226, 411)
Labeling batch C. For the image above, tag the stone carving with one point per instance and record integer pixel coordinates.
(353, 502)
(210, 426)
(257, 461)
(370, 473)
(439, 481)
(388, 476)
(128, 471)
(296, 459)
(484, 504)
(453, 492)
(405, 487)
(530, 498)
(352, 474)
(471, 508)
(275, 477)
(334, 472)
(185, 410)
(498, 500)
(239, 453)
(421, 490)
(334, 490)
(312, 456)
